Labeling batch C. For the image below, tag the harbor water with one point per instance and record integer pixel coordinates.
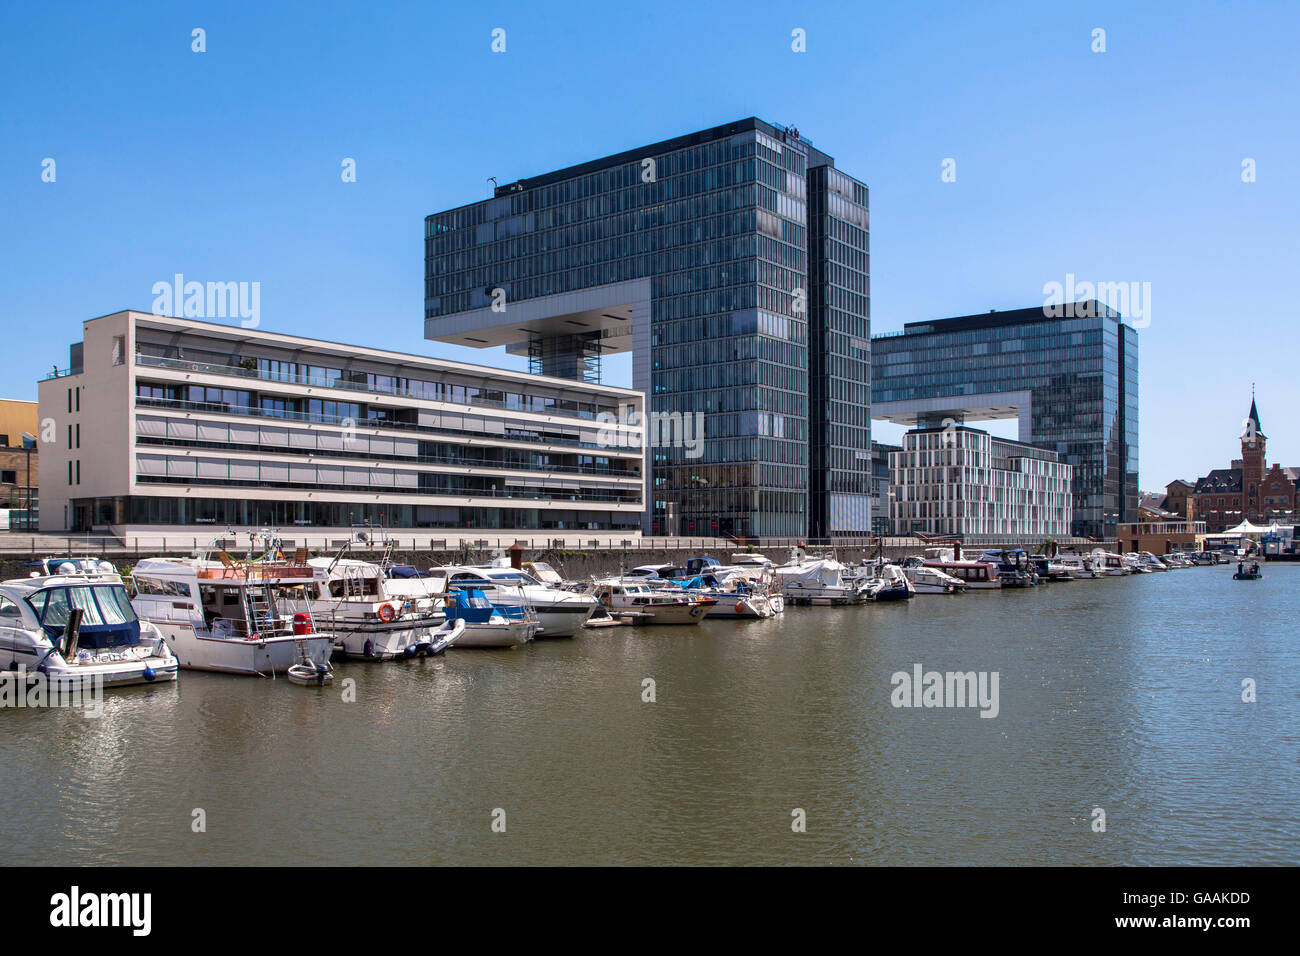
(1118, 694)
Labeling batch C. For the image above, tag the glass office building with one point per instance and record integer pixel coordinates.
(1072, 382)
(732, 264)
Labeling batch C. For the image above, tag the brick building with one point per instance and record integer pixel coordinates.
(1248, 490)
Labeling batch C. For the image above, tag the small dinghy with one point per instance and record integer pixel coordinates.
(310, 674)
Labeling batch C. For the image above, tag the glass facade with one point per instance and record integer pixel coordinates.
(730, 227)
(1082, 374)
(839, 363)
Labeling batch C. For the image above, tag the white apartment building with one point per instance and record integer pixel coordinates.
(166, 425)
(963, 481)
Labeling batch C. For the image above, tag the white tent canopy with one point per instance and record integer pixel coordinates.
(1246, 528)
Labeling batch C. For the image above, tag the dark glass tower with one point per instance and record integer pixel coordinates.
(1072, 382)
(717, 259)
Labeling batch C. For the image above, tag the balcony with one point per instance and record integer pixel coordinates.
(238, 371)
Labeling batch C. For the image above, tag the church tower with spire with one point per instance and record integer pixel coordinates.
(1253, 466)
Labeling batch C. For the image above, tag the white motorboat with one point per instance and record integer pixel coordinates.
(1108, 563)
(661, 606)
(369, 617)
(234, 617)
(1149, 560)
(821, 581)
(486, 625)
(1080, 566)
(927, 580)
(885, 582)
(74, 626)
(559, 613)
(739, 592)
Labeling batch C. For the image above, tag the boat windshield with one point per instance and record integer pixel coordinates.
(512, 577)
(102, 604)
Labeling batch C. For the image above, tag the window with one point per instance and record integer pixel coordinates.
(8, 477)
(77, 391)
(78, 471)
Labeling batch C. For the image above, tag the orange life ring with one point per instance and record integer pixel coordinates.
(387, 613)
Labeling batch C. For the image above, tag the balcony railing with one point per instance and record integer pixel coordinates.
(522, 494)
(250, 411)
(238, 371)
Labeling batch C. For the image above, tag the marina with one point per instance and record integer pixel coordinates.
(1139, 706)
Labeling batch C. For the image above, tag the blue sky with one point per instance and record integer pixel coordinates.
(225, 165)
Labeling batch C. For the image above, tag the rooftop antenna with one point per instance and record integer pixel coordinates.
(493, 181)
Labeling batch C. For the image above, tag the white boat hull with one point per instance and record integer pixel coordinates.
(509, 634)
(269, 657)
(380, 640)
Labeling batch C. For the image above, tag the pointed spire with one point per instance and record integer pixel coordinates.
(1253, 428)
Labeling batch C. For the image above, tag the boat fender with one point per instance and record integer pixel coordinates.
(150, 673)
(410, 650)
(369, 648)
(740, 607)
(387, 613)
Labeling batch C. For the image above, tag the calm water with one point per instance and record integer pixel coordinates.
(1121, 693)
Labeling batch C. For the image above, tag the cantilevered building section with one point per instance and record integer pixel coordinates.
(174, 425)
(1071, 382)
(717, 259)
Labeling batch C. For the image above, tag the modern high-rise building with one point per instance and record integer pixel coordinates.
(733, 263)
(1070, 380)
(165, 425)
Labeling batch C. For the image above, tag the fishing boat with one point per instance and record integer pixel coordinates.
(72, 623)
(1247, 572)
(235, 617)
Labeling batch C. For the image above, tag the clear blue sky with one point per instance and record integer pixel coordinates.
(1115, 166)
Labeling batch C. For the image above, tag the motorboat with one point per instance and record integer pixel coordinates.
(235, 617)
(663, 606)
(559, 613)
(1133, 561)
(487, 625)
(1050, 569)
(1148, 560)
(72, 623)
(888, 582)
(932, 580)
(369, 615)
(1080, 566)
(739, 593)
(1109, 563)
(979, 574)
(1015, 569)
(819, 581)
(308, 673)
(1247, 572)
